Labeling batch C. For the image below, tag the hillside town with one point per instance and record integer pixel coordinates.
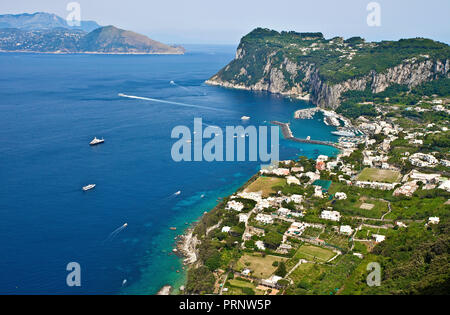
(295, 222)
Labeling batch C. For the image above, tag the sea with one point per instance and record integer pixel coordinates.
(118, 234)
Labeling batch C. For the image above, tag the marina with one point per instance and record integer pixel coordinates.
(287, 134)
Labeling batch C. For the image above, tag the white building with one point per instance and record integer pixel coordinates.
(424, 178)
(378, 238)
(297, 169)
(346, 229)
(322, 158)
(243, 218)
(376, 185)
(446, 163)
(283, 212)
(246, 272)
(264, 218)
(340, 196)
(423, 160)
(292, 180)
(281, 171)
(226, 229)
(297, 228)
(234, 205)
(272, 281)
(445, 185)
(330, 215)
(433, 220)
(263, 204)
(260, 245)
(297, 198)
(318, 192)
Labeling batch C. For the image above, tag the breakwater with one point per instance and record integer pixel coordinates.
(287, 134)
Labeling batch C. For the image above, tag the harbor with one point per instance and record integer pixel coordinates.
(287, 134)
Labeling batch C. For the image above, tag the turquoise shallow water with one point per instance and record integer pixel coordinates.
(51, 106)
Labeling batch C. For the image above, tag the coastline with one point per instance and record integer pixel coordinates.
(255, 88)
(187, 242)
(87, 52)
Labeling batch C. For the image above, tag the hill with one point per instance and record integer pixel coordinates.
(107, 39)
(110, 39)
(300, 64)
(41, 21)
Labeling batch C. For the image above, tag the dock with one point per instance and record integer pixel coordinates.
(287, 134)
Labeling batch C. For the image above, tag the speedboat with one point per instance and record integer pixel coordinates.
(97, 141)
(89, 187)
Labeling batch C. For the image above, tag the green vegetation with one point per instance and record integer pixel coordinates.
(413, 261)
(313, 253)
(336, 59)
(200, 281)
(379, 175)
(266, 185)
(260, 265)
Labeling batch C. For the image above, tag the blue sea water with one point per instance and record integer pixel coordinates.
(51, 106)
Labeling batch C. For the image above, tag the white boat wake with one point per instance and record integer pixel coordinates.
(170, 102)
(115, 232)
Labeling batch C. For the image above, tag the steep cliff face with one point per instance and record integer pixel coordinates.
(411, 73)
(297, 64)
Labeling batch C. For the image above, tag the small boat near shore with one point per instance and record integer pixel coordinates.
(245, 118)
(173, 228)
(96, 141)
(89, 187)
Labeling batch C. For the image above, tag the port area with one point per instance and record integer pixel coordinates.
(287, 134)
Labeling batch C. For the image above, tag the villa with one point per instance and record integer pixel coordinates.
(378, 238)
(235, 205)
(433, 220)
(346, 229)
(340, 196)
(330, 215)
(264, 218)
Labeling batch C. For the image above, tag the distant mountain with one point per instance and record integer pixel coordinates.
(41, 21)
(110, 39)
(44, 32)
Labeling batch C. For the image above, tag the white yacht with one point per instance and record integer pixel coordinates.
(245, 118)
(97, 141)
(89, 187)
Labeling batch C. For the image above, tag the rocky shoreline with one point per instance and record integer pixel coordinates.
(165, 290)
(186, 247)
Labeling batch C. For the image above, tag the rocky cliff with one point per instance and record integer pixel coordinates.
(300, 64)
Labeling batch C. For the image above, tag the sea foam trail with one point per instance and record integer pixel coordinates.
(173, 103)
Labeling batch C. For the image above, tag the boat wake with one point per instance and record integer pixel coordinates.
(190, 90)
(173, 103)
(115, 233)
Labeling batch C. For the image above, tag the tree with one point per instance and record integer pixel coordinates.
(200, 281)
(281, 270)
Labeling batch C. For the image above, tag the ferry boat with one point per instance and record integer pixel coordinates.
(96, 141)
(89, 187)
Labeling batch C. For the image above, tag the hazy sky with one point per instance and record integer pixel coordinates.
(226, 21)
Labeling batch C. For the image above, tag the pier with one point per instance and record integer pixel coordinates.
(287, 134)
